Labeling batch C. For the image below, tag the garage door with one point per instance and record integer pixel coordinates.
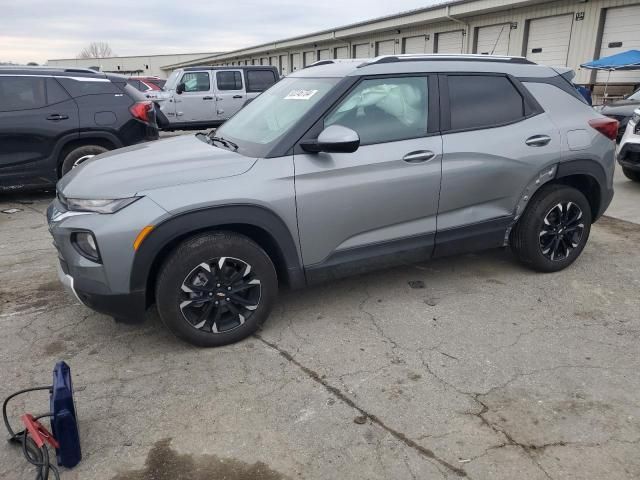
(548, 40)
(309, 58)
(273, 61)
(324, 54)
(621, 33)
(361, 50)
(449, 42)
(264, 61)
(387, 47)
(296, 62)
(493, 40)
(341, 52)
(415, 44)
(284, 64)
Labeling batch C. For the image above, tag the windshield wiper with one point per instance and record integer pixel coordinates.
(223, 141)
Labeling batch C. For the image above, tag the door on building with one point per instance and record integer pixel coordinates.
(386, 47)
(621, 33)
(341, 52)
(284, 64)
(230, 93)
(197, 101)
(309, 58)
(417, 44)
(450, 42)
(548, 40)
(296, 62)
(324, 54)
(361, 50)
(493, 40)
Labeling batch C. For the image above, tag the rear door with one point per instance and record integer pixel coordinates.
(230, 93)
(382, 199)
(496, 140)
(35, 112)
(197, 102)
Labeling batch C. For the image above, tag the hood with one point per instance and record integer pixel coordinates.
(124, 172)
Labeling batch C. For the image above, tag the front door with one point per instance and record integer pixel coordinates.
(380, 202)
(197, 102)
(230, 93)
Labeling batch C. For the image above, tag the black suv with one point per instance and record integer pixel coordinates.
(53, 119)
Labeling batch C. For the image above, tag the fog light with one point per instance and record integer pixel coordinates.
(86, 245)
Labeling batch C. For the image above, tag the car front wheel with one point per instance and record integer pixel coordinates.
(216, 289)
(553, 230)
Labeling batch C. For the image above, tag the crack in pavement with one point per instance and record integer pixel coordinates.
(425, 452)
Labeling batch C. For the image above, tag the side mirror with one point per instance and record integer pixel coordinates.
(180, 88)
(333, 139)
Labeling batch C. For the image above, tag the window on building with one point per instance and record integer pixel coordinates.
(479, 101)
(384, 110)
(229, 80)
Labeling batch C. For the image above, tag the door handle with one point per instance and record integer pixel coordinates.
(418, 156)
(538, 140)
(207, 98)
(237, 96)
(56, 117)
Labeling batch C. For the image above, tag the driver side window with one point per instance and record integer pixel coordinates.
(384, 110)
(196, 82)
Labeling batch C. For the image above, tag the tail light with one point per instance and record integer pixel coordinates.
(140, 110)
(606, 126)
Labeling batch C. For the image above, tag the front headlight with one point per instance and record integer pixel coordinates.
(98, 205)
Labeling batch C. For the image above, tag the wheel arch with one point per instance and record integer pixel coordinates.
(589, 177)
(68, 143)
(259, 224)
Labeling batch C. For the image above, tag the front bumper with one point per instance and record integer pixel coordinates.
(102, 286)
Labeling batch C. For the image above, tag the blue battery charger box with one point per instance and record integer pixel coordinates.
(64, 422)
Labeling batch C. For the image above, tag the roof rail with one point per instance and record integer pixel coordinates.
(80, 70)
(334, 60)
(410, 57)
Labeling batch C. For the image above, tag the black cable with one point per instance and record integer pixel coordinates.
(39, 457)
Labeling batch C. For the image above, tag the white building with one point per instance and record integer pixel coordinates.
(141, 65)
(558, 33)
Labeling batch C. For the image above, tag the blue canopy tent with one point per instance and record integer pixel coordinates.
(629, 60)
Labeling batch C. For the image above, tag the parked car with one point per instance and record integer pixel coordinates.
(53, 119)
(629, 151)
(621, 110)
(200, 97)
(337, 169)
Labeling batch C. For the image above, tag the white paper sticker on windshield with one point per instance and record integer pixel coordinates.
(300, 94)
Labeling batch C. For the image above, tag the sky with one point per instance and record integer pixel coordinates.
(37, 30)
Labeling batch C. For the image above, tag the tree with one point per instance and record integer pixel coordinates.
(96, 50)
(32, 64)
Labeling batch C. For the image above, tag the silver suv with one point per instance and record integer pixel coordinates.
(336, 169)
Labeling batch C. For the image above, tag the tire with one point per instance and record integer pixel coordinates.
(76, 156)
(633, 175)
(188, 282)
(550, 247)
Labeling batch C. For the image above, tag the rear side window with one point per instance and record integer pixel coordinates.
(196, 82)
(88, 86)
(479, 101)
(55, 93)
(259, 80)
(22, 93)
(229, 80)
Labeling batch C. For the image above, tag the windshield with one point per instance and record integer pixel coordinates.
(635, 95)
(172, 80)
(273, 113)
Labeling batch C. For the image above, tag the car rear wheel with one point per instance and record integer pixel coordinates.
(216, 289)
(631, 174)
(553, 230)
(78, 156)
